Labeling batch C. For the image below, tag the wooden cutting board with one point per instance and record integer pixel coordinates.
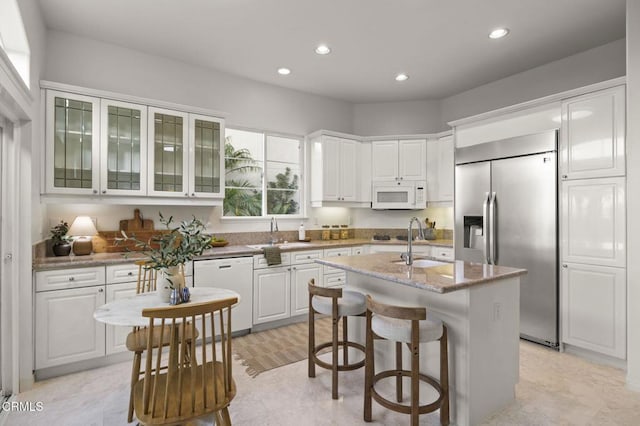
(137, 223)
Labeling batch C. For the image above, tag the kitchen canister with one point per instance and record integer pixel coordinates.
(335, 232)
(344, 232)
(326, 232)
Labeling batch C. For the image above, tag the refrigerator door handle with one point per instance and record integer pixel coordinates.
(485, 224)
(493, 255)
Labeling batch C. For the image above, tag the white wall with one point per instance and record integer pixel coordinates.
(89, 63)
(397, 118)
(633, 202)
(588, 67)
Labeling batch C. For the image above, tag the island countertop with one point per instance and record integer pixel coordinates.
(443, 278)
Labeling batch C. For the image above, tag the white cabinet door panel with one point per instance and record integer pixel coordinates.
(592, 139)
(349, 170)
(116, 336)
(330, 169)
(412, 159)
(300, 277)
(65, 330)
(594, 308)
(593, 222)
(271, 294)
(384, 160)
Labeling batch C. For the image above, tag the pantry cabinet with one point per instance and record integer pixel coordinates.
(394, 160)
(594, 308)
(592, 135)
(593, 229)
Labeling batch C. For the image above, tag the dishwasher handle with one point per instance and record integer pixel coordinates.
(224, 266)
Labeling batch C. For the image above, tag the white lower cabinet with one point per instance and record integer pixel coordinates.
(271, 294)
(116, 337)
(300, 277)
(594, 308)
(65, 330)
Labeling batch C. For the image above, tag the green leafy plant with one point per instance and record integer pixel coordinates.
(59, 233)
(280, 193)
(176, 246)
(240, 198)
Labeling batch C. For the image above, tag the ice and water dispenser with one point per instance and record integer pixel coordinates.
(473, 232)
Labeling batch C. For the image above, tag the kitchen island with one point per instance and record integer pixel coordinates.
(479, 303)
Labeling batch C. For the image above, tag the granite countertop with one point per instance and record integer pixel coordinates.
(101, 259)
(443, 278)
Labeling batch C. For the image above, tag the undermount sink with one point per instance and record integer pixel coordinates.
(423, 263)
(283, 246)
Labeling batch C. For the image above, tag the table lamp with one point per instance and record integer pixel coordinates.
(83, 228)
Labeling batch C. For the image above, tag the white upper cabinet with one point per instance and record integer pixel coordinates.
(168, 153)
(72, 144)
(592, 137)
(440, 169)
(123, 148)
(109, 148)
(395, 160)
(336, 172)
(593, 229)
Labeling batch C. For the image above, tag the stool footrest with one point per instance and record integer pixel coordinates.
(328, 366)
(401, 408)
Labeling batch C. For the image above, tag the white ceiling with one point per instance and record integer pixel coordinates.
(441, 44)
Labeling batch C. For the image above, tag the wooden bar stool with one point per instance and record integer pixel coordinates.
(410, 326)
(336, 303)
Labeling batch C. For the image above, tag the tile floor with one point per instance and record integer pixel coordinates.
(554, 389)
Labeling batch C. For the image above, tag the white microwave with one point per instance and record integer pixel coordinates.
(402, 195)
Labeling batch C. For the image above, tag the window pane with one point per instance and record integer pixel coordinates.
(281, 201)
(242, 202)
(244, 158)
(281, 149)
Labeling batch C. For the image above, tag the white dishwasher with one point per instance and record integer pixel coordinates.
(234, 273)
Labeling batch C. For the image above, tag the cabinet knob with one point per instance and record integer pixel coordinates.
(308, 257)
(193, 194)
(398, 183)
(104, 191)
(294, 268)
(95, 191)
(564, 176)
(401, 178)
(564, 265)
(130, 274)
(72, 279)
(288, 269)
(100, 290)
(186, 194)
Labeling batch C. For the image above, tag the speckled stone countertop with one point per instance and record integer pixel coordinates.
(101, 259)
(440, 279)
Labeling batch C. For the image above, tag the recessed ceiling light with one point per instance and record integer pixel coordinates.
(402, 77)
(284, 71)
(323, 49)
(498, 33)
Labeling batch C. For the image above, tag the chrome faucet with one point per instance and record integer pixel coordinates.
(274, 228)
(408, 256)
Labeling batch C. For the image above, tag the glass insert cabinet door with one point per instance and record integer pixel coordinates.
(123, 165)
(168, 153)
(206, 156)
(72, 148)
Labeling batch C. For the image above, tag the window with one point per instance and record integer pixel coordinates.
(13, 38)
(256, 164)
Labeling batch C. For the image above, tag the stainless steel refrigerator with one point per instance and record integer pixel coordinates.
(506, 208)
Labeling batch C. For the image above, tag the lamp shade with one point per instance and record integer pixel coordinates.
(82, 226)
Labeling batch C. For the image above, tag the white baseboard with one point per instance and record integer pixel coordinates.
(633, 383)
(596, 357)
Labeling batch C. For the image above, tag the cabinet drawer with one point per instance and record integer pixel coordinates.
(344, 251)
(442, 253)
(334, 279)
(357, 251)
(259, 261)
(126, 273)
(307, 256)
(60, 279)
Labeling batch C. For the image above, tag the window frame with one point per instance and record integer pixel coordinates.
(302, 212)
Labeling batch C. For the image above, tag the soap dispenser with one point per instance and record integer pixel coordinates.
(301, 236)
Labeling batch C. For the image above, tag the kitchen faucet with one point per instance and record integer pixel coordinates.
(408, 256)
(274, 228)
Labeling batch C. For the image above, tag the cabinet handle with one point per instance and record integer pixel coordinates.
(564, 176)
(130, 274)
(294, 268)
(288, 269)
(339, 279)
(104, 191)
(308, 257)
(95, 191)
(72, 279)
(564, 265)
(100, 290)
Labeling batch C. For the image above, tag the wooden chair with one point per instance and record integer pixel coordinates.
(138, 339)
(187, 390)
(336, 303)
(410, 326)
